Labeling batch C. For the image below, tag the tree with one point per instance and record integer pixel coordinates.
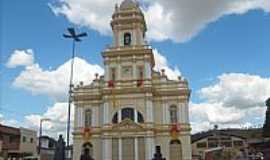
(266, 126)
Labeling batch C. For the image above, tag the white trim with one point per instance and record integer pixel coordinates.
(135, 116)
(147, 69)
(164, 112)
(119, 116)
(119, 72)
(136, 149)
(106, 113)
(120, 149)
(134, 71)
(149, 111)
(107, 149)
(107, 73)
(187, 112)
(80, 117)
(150, 148)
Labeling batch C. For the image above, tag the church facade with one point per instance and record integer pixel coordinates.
(127, 112)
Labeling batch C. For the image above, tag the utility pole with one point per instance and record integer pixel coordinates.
(75, 38)
(40, 132)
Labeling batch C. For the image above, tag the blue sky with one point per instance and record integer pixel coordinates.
(225, 61)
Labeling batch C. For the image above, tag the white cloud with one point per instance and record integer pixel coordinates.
(58, 120)
(93, 14)
(238, 90)
(161, 62)
(57, 113)
(1, 118)
(21, 58)
(55, 82)
(235, 100)
(214, 113)
(177, 20)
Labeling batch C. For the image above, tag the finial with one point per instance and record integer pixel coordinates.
(96, 75)
(215, 127)
(163, 72)
(81, 83)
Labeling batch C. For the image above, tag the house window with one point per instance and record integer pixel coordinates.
(127, 39)
(12, 139)
(31, 140)
(24, 139)
(226, 143)
(238, 143)
(88, 118)
(201, 145)
(212, 144)
(173, 114)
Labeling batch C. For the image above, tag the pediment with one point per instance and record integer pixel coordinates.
(127, 124)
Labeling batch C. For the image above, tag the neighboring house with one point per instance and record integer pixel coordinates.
(17, 142)
(1, 144)
(28, 139)
(47, 149)
(201, 142)
(48, 146)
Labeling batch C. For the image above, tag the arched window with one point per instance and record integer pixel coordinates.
(88, 118)
(140, 118)
(115, 118)
(173, 114)
(127, 113)
(127, 39)
(175, 150)
(87, 149)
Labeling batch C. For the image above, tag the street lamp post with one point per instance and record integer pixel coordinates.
(40, 132)
(75, 38)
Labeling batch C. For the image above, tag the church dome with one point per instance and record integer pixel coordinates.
(128, 4)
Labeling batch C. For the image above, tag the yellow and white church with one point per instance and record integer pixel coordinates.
(127, 112)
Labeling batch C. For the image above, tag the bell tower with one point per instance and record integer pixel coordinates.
(129, 58)
(128, 24)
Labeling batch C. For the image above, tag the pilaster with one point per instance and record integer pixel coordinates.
(80, 117)
(107, 149)
(150, 147)
(149, 110)
(106, 113)
(136, 149)
(147, 69)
